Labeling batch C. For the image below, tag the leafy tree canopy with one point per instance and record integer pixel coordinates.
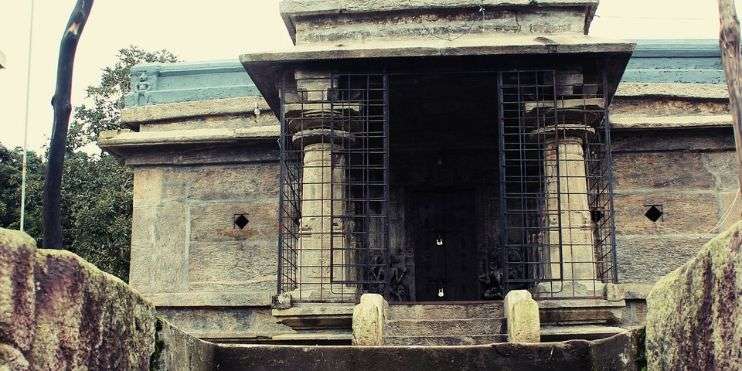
(96, 188)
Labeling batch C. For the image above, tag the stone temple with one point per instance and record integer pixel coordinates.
(440, 154)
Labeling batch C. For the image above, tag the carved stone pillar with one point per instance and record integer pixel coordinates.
(320, 136)
(569, 226)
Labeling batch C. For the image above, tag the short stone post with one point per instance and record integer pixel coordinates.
(368, 320)
(522, 316)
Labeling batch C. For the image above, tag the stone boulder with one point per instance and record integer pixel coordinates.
(693, 313)
(58, 312)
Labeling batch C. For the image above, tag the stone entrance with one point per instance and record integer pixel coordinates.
(442, 224)
(444, 185)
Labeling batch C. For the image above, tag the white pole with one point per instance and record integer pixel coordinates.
(28, 113)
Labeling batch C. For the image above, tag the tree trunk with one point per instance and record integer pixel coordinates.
(729, 39)
(53, 238)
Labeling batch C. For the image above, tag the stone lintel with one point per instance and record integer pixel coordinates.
(642, 122)
(464, 46)
(133, 116)
(314, 136)
(673, 90)
(116, 141)
(314, 7)
(551, 132)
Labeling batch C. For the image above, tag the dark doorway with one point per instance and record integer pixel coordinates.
(443, 229)
(444, 178)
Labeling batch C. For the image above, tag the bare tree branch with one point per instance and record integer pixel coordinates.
(62, 107)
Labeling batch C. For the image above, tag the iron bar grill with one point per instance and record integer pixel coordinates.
(556, 192)
(556, 199)
(333, 216)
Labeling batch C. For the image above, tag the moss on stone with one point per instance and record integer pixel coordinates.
(67, 314)
(693, 311)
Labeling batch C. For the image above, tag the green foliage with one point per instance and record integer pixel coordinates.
(104, 106)
(96, 188)
(10, 185)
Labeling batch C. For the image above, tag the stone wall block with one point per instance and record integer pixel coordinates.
(368, 320)
(644, 170)
(684, 212)
(242, 264)
(522, 315)
(214, 221)
(643, 258)
(694, 312)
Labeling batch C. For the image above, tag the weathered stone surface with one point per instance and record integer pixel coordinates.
(491, 309)
(352, 21)
(11, 359)
(179, 110)
(368, 320)
(175, 350)
(17, 298)
(723, 167)
(679, 141)
(522, 314)
(66, 314)
(619, 352)
(685, 212)
(646, 258)
(694, 91)
(656, 170)
(579, 311)
(225, 324)
(693, 313)
(645, 122)
(214, 221)
(184, 242)
(668, 107)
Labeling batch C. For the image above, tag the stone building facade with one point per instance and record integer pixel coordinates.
(440, 155)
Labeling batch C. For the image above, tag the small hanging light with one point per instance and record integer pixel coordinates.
(439, 241)
(440, 293)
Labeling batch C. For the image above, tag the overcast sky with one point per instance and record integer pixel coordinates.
(222, 29)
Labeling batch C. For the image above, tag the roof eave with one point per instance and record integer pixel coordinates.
(264, 68)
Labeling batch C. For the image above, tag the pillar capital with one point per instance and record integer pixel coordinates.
(319, 100)
(564, 131)
(322, 135)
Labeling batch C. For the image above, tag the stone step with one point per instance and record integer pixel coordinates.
(446, 311)
(581, 332)
(444, 327)
(445, 340)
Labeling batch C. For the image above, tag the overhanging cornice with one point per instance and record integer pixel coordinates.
(265, 68)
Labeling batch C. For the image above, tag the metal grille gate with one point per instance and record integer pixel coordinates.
(333, 214)
(334, 185)
(556, 188)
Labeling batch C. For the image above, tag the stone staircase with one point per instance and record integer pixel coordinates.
(445, 324)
